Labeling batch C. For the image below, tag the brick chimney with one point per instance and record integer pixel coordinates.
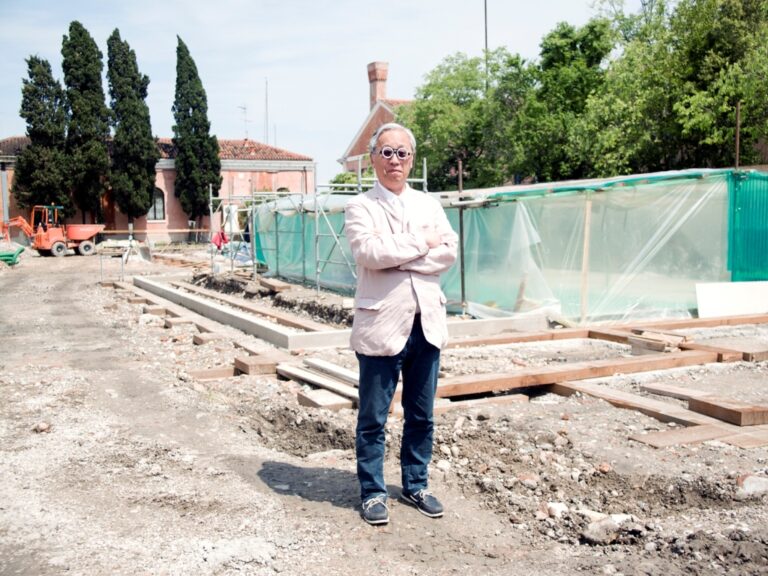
(377, 77)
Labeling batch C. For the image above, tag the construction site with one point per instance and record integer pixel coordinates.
(602, 405)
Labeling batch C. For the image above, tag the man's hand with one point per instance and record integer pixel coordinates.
(432, 238)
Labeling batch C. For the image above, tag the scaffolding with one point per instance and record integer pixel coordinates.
(616, 249)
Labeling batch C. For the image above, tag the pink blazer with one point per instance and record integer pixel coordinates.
(396, 269)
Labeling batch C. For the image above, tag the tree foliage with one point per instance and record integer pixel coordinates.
(134, 152)
(197, 151)
(41, 168)
(88, 128)
(656, 90)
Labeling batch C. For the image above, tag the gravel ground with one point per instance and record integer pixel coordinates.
(116, 460)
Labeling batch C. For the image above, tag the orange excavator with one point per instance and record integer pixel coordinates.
(49, 236)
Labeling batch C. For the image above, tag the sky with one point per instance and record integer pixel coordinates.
(289, 73)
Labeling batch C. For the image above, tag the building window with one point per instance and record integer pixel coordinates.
(157, 210)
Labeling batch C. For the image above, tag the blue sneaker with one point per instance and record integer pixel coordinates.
(375, 510)
(424, 502)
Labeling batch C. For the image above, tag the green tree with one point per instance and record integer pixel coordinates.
(197, 152)
(570, 71)
(628, 124)
(88, 129)
(714, 41)
(41, 168)
(134, 152)
(453, 119)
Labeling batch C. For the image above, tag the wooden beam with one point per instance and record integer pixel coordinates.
(274, 284)
(673, 391)
(213, 373)
(206, 337)
(478, 383)
(663, 411)
(299, 374)
(689, 435)
(611, 335)
(755, 437)
(756, 356)
(705, 322)
(339, 372)
(723, 354)
(518, 338)
(264, 363)
(322, 398)
(733, 411)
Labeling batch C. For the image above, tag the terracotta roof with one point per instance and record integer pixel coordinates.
(238, 150)
(252, 150)
(228, 149)
(14, 145)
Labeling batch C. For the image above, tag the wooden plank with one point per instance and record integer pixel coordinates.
(728, 410)
(206, 337)
(705, 322)
(663, 411)
(723, 354)
(299, 374)
(322, 398)
(756, 356)
(642, 345)
(264, 363)
(611, 335)
(178, 321)
(518, 338)
(154, 309)
(755, 438)
(213, 373)
(673, 338)
(689, 435)
(274, 285)
(479, 383)
(673, 391)
(339, 372)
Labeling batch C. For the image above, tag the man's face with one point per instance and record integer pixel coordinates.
(392, 172)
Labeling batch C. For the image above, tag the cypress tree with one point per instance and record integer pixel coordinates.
(41, 168)
(197, 151)
(134, 152)
(89, 119)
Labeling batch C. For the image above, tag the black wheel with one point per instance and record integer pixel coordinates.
(58, 249)
(86, 248)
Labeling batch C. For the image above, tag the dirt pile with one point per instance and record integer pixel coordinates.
(143, 467)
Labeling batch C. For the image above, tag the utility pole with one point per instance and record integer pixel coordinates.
(266, 110)
(485, 5)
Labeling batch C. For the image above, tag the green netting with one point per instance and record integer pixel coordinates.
(748, 224)
(614, 249)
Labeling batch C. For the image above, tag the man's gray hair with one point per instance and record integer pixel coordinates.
(391, 126)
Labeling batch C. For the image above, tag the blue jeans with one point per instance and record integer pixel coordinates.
(419, 362)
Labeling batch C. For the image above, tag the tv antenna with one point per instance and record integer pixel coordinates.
(244, 109)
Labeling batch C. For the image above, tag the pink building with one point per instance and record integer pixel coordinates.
(247, 167)
(382, 110)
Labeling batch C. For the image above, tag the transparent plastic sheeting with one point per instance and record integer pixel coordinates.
(613, 250)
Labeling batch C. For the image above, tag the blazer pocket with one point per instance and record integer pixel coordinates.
(368, 303)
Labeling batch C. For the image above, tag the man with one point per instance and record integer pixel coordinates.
(401, 241)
